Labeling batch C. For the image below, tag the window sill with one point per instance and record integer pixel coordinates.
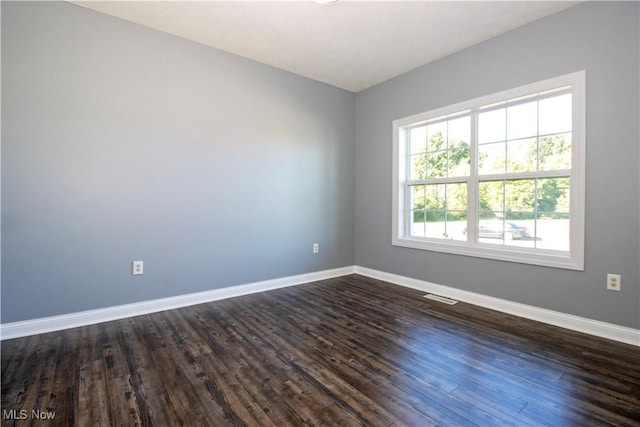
(556, 259)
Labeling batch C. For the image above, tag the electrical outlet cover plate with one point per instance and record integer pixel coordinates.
(138, 268)
(613, 282)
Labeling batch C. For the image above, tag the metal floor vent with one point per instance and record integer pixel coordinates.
(438, 298)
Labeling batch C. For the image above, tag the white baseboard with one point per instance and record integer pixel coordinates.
(83, 318)
(73, 320)
(563, 320)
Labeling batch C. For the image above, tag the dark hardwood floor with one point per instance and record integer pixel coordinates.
(340, 352)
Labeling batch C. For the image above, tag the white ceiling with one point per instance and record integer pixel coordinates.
(352, 45)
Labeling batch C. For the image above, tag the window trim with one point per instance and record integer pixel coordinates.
(574, 259)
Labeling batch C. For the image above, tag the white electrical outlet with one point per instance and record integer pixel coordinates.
(138, 268)
(613, 282)
(316, 248)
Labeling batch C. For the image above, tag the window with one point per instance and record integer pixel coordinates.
(498, 177)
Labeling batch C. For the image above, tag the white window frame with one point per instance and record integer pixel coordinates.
(574, 258)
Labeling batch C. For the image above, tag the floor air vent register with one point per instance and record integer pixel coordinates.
(443, 300)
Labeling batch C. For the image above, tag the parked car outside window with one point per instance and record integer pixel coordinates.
(498, 229)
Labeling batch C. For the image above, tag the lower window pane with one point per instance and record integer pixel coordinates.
(446, 225)
(491, 195)
(512, 228)
(456, 225)
(435, 196)
(552, 232)
(417, 197)
(456, 199)
(520, 229)
(553, 195)
(491, 227)
(486, 215)
(438, 211)
(435, 225)
(416, 225)
(520, 195)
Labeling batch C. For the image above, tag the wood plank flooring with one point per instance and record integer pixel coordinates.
(341, 352)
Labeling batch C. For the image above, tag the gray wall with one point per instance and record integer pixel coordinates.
(121, 143)
(603, 39)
